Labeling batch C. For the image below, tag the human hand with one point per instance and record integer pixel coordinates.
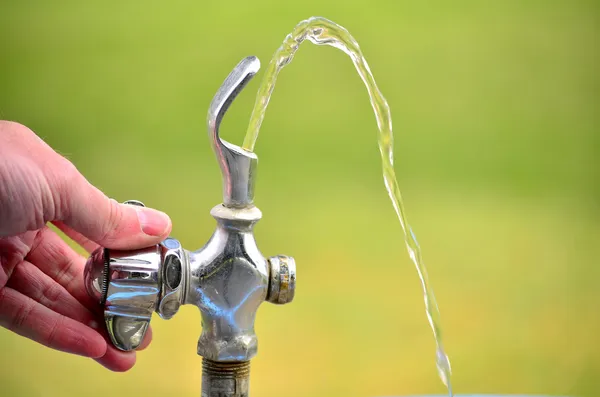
(42, 294)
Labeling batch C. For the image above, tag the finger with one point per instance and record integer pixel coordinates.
(147, 339)
(30, 319)
(79, 238)
(117, 360)
(88, 211)
(58, 261)
(53, 256)
(33, 283)
(13, 250)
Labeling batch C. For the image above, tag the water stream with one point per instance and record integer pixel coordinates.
(321, 31)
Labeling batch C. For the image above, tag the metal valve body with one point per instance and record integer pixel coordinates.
(227, 279)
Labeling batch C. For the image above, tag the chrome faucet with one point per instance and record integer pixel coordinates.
(227, 279)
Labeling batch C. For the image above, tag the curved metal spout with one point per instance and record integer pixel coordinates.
(237, 165)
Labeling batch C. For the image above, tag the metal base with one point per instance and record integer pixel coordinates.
(225, 379)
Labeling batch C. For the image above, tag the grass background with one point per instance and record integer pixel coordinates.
(496, 115)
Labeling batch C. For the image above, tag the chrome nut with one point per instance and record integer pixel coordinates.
(282, 279)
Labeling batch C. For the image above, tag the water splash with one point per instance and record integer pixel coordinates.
(322, 31)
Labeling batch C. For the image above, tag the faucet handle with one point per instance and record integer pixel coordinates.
(126, 284)
(131, 285)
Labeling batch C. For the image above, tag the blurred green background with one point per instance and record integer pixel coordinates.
(497, 122)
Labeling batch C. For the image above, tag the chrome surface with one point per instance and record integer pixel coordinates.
(238, 166)
(134, 202)
(174, 271)
(227, 279)
(132, 292)
(131, 285)
(93, 275)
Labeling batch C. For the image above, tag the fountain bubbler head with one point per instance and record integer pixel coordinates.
(238, 166)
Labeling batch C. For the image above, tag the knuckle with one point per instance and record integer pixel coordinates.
(65, 174)
(68, 169)
(52, 336)
(22, 314)
(2, 297)
(66, 182)
(12, 127)
(79, 341)
(65, 276)
(112, 221)
(51, 295)
(3, 275)
(5, 318)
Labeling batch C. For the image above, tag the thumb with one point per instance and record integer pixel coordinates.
(88, 211)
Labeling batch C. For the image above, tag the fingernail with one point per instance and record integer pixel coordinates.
(153, 222)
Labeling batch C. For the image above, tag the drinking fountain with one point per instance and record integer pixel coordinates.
(227, 279)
